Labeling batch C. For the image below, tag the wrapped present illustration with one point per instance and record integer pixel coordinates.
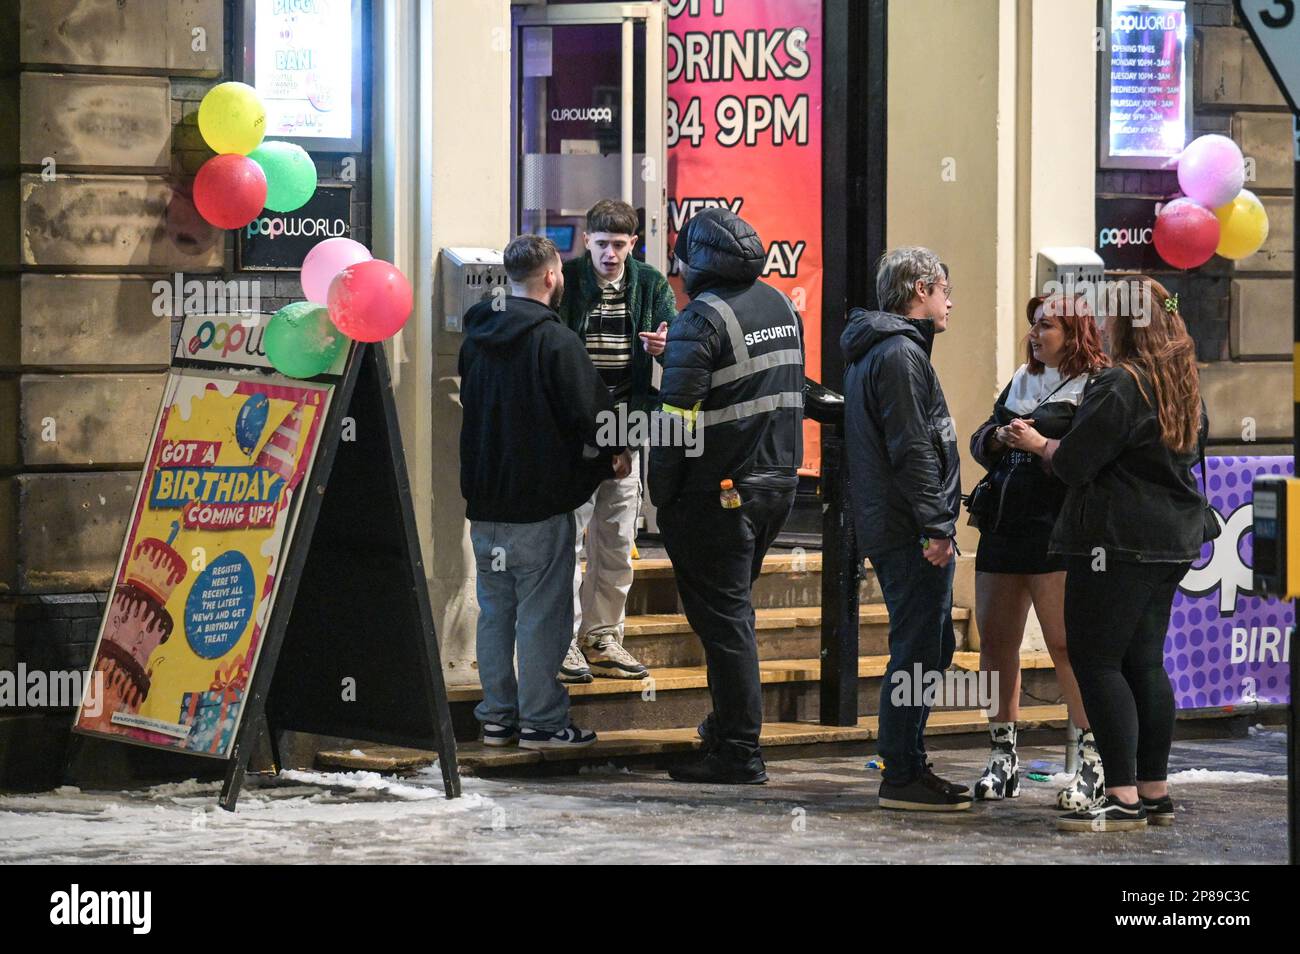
(212, 715)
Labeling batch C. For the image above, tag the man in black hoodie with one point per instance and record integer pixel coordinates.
(532, 405)
(905, 487)
(733, 374)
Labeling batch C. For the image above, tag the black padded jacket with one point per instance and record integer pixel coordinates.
(1130, 495)
(733, 366)
(900, 442)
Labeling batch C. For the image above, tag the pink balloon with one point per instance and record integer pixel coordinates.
(370, 301)
(1211, 171)
(325, 260)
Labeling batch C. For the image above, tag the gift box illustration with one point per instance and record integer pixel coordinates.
(212, 715)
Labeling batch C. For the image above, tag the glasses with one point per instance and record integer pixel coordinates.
(947, 287)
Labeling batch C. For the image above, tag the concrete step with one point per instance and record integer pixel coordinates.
(779, 739)
(788, 579)
(666, 639)
(678, 697)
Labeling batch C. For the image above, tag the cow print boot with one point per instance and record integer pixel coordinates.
(1001, 778)
(1089, 783)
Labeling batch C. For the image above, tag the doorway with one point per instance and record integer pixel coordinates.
(589, 89)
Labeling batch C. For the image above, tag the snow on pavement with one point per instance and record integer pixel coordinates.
(820, 809)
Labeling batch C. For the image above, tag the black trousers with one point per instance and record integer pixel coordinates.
(1115, 625)
(717, 554)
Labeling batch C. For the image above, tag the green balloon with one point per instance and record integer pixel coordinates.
(290, 175)
(301, 341)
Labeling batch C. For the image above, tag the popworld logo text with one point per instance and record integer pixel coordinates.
(1122, 237)
(593, 114)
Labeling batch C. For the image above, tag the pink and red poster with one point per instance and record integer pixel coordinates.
(744, 131)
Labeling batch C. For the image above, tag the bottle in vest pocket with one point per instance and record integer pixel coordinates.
(730, 496)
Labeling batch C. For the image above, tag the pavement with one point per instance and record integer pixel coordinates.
(1231, 795)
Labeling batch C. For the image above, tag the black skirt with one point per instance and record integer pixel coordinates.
(1021, 554)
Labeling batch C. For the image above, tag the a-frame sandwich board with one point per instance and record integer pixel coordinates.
(344, 643)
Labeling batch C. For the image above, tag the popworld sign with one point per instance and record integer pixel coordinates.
(1122, 237)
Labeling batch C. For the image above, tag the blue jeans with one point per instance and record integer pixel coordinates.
(525, 598)
(919, 597)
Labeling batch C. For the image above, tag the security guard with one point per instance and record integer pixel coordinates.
(733, 383)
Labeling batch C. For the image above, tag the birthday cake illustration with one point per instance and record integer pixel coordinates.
(137, 623)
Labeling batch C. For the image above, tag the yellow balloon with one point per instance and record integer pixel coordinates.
(1243, 226)
(232, 118)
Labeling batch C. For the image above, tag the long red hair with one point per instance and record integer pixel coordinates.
(1082, 352)
(1159, 347)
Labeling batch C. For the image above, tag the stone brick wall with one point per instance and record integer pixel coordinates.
(100, 143)
(1239, 313)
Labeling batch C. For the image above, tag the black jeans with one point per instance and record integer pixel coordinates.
(717, 554)
(918, 595)
(1115, 625)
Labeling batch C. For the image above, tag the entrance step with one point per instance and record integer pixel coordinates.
(678, 697)
(666, 639)
(780, 740)
(787, 579)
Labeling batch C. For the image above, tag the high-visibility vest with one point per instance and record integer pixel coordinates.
(752, 417)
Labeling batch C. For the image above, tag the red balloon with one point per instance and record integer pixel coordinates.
(370, 301)
(230, 190)
(1186, 234)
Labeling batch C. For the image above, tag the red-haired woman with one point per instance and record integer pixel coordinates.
(1015, 510)
(1131, 526)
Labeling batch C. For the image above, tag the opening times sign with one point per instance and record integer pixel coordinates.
(744, 131)
(1146, 94)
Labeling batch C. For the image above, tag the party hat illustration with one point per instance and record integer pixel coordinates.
(280, 453)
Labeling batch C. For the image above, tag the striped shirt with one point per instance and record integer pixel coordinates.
(609, 337)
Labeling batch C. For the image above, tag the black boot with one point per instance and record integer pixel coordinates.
(722, 764)
(708, 733)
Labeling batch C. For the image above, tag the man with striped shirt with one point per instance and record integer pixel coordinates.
(621, 308)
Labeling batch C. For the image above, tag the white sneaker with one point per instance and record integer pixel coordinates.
(607, 657)
(496, 734)
(574, 669)
(570, 738)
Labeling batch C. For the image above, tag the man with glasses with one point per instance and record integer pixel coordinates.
(905, 487)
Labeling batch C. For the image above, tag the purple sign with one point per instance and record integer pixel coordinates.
(1147, 82)
(1227, 646)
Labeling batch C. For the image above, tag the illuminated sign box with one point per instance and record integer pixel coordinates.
(1144, 95)
(304, 59)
